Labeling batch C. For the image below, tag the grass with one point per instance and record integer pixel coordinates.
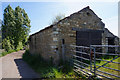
(110, 65)
(7, 52)
(47, 69)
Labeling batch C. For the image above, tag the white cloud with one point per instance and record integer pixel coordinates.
(112, 24)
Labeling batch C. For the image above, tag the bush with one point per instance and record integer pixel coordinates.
(20, 46)
(6, 43)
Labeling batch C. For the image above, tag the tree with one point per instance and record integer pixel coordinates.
(8, 25)
(7, 44)
(22, 26)
(16, 25)
(58, 18)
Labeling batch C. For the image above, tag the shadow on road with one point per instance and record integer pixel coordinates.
(24, 70)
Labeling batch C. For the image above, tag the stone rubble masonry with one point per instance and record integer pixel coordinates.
(48, 42)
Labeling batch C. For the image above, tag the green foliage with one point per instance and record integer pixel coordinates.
(16, 26)
(7, 52)
(6, 44)
(57, 73)
(48, 70)
(20, 46)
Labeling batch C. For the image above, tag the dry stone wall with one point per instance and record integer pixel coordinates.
(42, 43)
(83, 19)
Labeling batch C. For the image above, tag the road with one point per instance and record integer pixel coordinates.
(12, 66)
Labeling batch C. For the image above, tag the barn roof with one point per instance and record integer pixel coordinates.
(109, 34)
(42, 30)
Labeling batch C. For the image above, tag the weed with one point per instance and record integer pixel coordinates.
(46, 69)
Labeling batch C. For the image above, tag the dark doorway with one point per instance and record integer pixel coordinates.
(87, 38)
(111, 42)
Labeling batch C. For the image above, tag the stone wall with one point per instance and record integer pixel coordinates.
(85, 18)
(42, 43)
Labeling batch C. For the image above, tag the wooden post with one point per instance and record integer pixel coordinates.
(63, 50)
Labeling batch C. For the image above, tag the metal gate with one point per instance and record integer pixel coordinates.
(98, 63)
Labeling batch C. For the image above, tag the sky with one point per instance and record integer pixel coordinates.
(42, 13)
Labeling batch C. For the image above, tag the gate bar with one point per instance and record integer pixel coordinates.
(80, 52)
(83, 70)
(108, 54)
(79, 46)
(108, 73)
(105, 45)
(104, 76)
(81, 66)
(81, 62)
(81, 57)
(107, 62)
(109, 68)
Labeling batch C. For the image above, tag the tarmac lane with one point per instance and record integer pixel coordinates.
(12, 66)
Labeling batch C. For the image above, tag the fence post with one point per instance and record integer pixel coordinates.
(81, 55)
(63, 50)
(90, 59)
(94, 62)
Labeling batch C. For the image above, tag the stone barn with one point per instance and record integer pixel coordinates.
(82, 28)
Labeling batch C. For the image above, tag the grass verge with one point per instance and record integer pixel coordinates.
(7, 52)
(46, 69)
(110, 65)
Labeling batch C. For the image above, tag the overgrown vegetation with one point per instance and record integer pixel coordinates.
(46, 69)
(7, 52)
